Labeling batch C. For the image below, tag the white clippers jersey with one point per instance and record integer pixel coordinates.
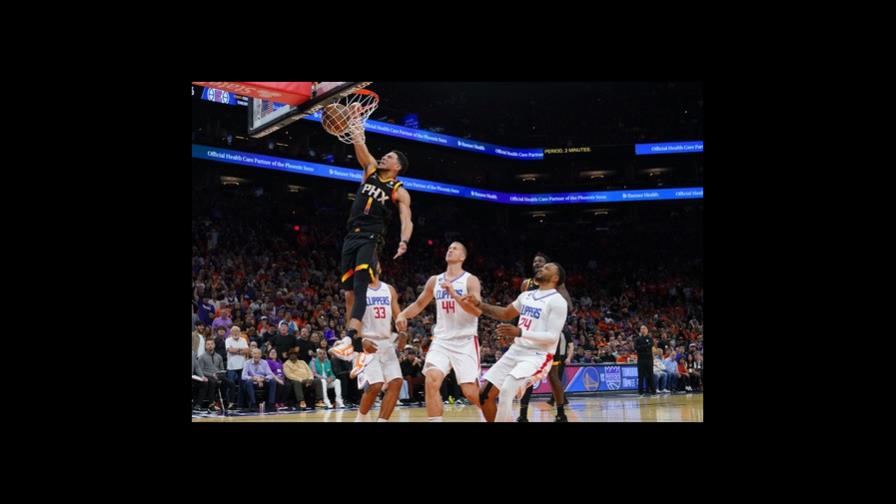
(452, 322)
(377, 321)
(542, 313)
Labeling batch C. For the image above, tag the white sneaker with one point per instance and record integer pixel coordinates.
(340, 404)
(688, 389)
(329, 405)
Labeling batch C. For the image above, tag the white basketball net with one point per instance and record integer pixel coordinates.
(345, 118)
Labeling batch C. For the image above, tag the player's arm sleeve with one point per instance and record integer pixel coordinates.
(517, 304)
(556, 318)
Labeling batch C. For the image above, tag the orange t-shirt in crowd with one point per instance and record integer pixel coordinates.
(621, 360)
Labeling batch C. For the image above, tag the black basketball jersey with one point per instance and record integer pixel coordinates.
(530, 284)
(375, 202)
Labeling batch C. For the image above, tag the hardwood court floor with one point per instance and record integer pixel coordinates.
(683, 407)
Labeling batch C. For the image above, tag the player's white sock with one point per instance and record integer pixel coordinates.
(505, 398)
(382, 420)
(362, 418)
(435, 419)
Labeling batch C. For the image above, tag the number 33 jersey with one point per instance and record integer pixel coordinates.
(377, 322)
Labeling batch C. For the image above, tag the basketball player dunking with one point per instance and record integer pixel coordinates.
(542, 314)
(564, 348)
(382, 366)
(455, 343)
(375, 201)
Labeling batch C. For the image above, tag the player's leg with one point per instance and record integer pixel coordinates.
(509, 389)
(390, 398)
(347, 269)
(524, 405)
(465, 366)
(489, 395)
(524, 366)
(392, 376)
(554, 375)
(489, 400)
(365, 265)
(369, 398)
(471, 392)
(367, 369)
(432, 388)
(435, 368)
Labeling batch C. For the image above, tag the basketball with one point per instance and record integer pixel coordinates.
(335, 118)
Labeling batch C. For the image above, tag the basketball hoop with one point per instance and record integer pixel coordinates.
(345, 118)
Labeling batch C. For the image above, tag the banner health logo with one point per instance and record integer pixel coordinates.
(613, 377)
(590, 379)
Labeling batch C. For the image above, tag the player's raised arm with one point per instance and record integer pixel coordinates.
(414, 309)
(365, 158)
(407, 226)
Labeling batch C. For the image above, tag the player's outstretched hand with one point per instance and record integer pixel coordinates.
(401, 323)
(369, 346)
(354, 110)
(402, 248)
(471, 299)
(508, 330)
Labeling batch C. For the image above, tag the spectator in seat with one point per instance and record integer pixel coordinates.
(257, 377)
(300, 381)
(325, 379)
